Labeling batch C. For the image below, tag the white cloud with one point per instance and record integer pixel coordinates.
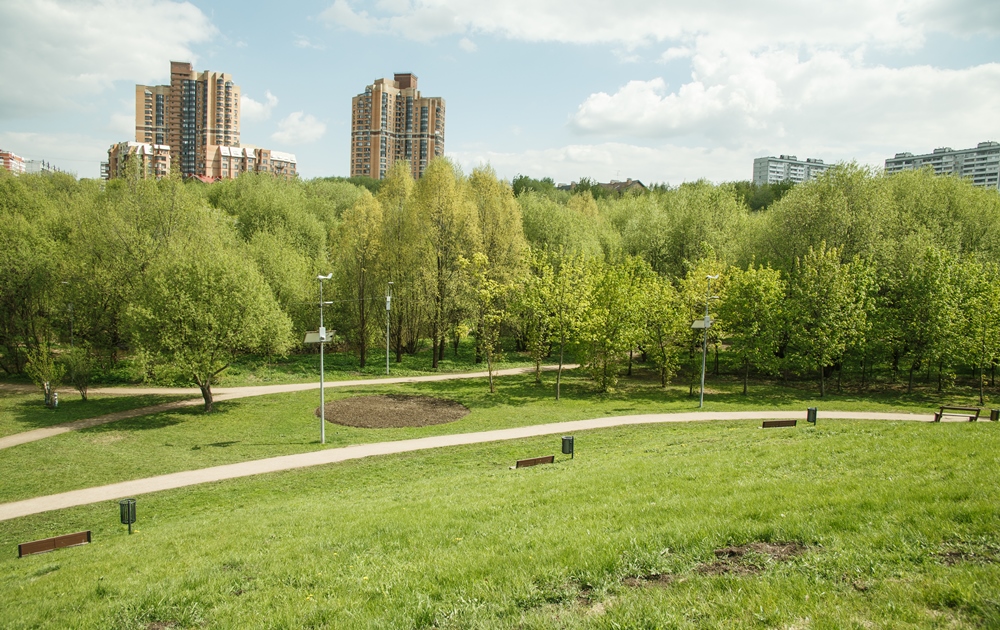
(56, 50)
(846, 23)
(739, 99)
(299, 128)
(73, 152)
(254, 111)
(123, 125)
(615, 160)
(467, 45)
(301, 41)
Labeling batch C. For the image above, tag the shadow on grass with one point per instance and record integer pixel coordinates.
(31, 413)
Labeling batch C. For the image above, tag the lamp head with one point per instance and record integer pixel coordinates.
(326, 277)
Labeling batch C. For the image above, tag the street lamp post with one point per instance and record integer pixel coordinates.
(322, 342)
(704, 345)
(388, 304)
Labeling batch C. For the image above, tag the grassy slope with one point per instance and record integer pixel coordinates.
(25, 412)
(452, 538)
(261, 427)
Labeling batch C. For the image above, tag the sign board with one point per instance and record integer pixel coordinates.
(702, 323)
(317, 336)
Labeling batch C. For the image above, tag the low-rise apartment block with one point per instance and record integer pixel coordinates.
(153, 159)
(786, 168)
(12, 162)
(980, 164)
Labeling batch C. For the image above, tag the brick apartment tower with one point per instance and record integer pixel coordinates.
(390, 121)
(198, 110)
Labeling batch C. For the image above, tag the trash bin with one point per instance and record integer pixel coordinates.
(126, 511)
(995, 415)
(811, 415)
(567, 445)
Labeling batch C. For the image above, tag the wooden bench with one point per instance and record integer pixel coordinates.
(972, 413)
(534, 461)
(51, 544)
(770, 424)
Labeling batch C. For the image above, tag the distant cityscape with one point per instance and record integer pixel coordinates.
(193, 125)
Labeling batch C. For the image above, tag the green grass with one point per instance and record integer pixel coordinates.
(452, 538)
(25, 412)
(255, 428)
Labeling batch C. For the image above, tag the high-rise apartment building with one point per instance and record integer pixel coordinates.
(391, 121)
(981, 164)
(787, 168)
(196, 113)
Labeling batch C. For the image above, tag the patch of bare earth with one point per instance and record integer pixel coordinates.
(750, 559)
(393, 411)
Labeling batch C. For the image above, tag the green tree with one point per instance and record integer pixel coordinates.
(614, 321)
(449, 221)
(666, 326)
(404, 251)
(752, 317)
(490, 310)
(44, 371)
(357, 271)
(825, 311)
(79, 369)
(201, 304)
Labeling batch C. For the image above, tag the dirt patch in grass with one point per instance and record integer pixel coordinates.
(393, 411)
(751, 558)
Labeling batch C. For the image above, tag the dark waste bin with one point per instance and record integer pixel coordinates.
(126, 511)
(995, 415)
(567, 445)
(811, 415)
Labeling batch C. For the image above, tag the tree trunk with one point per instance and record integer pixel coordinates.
(538, 372)
(630, 363)
(206, 393)
(982, 382)
(489, 369)
(562, 344)
(909, 385)
(442, 347)
(864, 383)
(822, 381)
(716, 371)
(746, 375)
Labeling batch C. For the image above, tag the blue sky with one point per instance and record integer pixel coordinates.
(666, 91)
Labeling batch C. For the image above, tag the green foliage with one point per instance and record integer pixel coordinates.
(666, 326)
(79, 366)
(826, 309)
(199, 305)
(44, 371)
(752, 316)
(759, 197)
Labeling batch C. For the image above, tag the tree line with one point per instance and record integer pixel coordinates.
(891, 278)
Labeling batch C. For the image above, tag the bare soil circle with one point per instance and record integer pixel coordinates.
(393, 411)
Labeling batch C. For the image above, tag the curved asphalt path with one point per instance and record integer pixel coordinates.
(224, 393)
(333, 455)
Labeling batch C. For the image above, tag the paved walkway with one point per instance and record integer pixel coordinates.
(223, 393)
(333, 455)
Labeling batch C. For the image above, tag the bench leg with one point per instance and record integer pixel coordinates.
(937, 417)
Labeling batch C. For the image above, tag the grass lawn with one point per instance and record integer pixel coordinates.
(24, 412)
(266, 426)
(896, 525)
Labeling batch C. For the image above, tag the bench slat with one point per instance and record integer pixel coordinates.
(51, 544)
(534, 461)
(768, 424)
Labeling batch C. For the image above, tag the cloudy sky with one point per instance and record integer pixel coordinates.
(663, 91)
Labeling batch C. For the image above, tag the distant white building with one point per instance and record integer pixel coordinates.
(786, 168)
(981, 164)
(12, 162)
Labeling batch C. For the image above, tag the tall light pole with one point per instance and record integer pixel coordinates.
(388, 305)
(322, 342)
(704, 345)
